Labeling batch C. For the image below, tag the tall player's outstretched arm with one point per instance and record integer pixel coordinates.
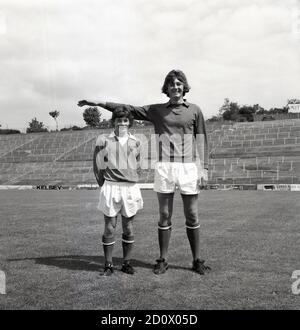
(139, 113)
(101, 104)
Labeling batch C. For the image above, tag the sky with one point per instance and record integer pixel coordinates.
(54, 53)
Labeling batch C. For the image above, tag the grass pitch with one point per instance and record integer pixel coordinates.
(51, 253)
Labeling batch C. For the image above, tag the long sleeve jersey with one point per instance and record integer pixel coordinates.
(180, 130)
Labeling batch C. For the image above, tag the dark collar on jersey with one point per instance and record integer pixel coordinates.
(185, 103)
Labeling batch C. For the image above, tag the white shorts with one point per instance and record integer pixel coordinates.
(120, 197)
(168, 176)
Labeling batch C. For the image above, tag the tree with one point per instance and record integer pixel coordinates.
(9, 131)
(259, 110)
(105, 124)
(54, 114)
(213, 119)
(231, 112)
(235, 112)
(225, 107)
(92, 116)
(71, 128)
(36, 126)
(247, 111)
(278, 110)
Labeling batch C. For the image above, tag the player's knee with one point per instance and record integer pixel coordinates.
(165, 217)
(128, 230)
(191, 217)
(109, 230)
(127, 226)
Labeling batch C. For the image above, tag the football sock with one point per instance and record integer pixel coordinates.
(127, 244)
(108, 246)
(164, 234)
(193, 234)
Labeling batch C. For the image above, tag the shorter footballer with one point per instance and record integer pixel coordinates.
(115, 163)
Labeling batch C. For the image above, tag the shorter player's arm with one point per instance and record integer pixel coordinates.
(138, 158)
(98, 172)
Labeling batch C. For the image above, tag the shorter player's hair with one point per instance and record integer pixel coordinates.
(173, 75)
(120, 112)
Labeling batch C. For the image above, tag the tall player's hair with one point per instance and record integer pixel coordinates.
(171, 76)
(121, 112)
